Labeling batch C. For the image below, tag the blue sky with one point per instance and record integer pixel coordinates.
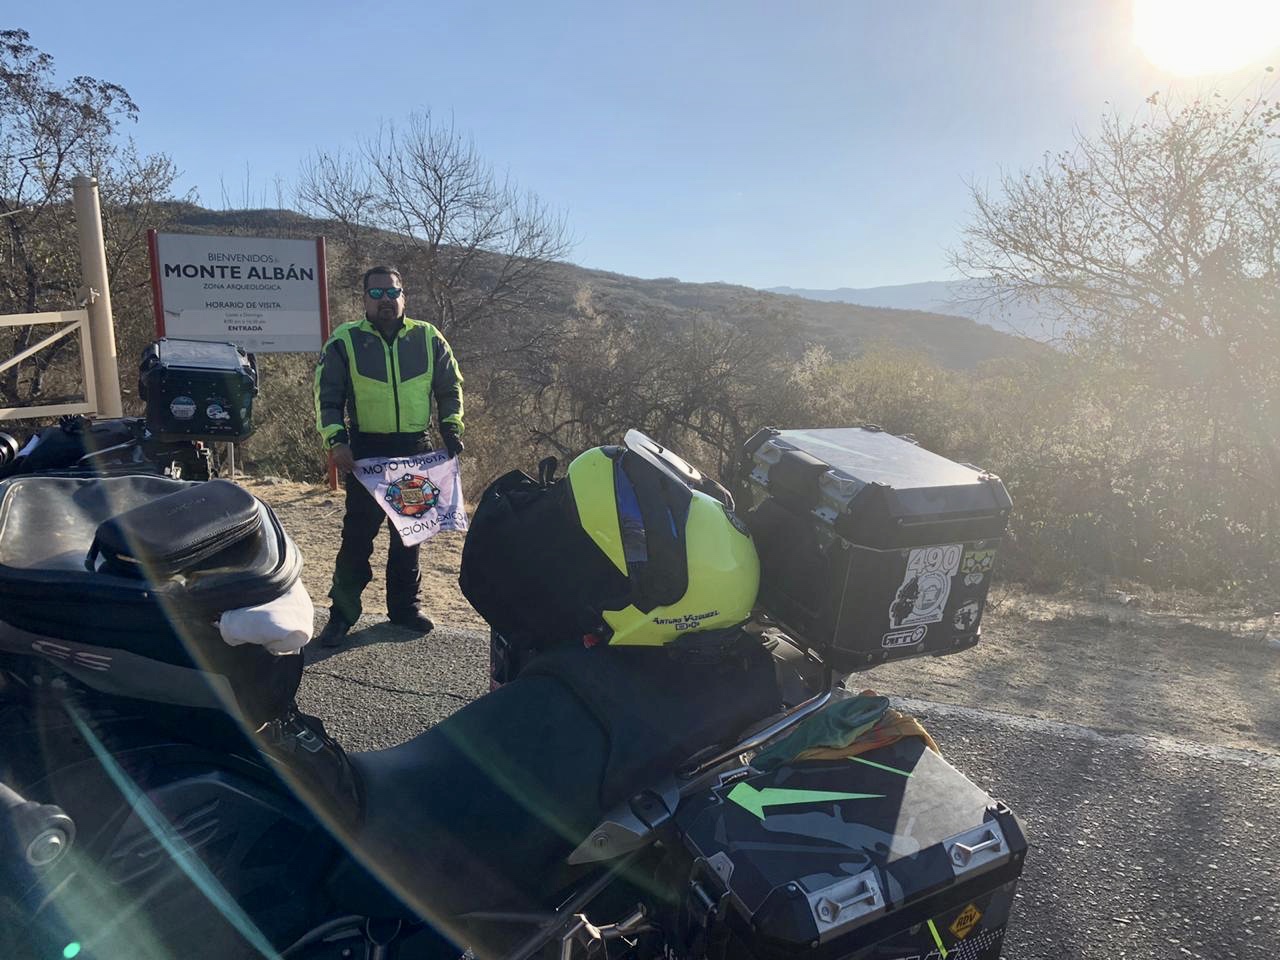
(802, 144)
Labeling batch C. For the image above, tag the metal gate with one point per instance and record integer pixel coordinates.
(71, 322)
(93, 324)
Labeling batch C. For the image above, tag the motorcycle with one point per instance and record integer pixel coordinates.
(173, 439)
(79, 446)
(165, 796)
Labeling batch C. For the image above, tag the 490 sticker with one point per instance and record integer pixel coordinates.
(922, 597)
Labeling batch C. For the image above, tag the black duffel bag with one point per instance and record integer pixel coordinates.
(531, 570)
(152, 639)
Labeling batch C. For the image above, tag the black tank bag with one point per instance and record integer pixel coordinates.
(176, 533)
(122, 626)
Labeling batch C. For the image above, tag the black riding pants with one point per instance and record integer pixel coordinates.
(352, 573)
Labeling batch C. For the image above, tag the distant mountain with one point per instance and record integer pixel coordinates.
(842, 327)
(960, 299)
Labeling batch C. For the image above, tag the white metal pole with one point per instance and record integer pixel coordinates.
(93, 268)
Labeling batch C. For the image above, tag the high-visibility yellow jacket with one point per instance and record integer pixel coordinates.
(382, 387)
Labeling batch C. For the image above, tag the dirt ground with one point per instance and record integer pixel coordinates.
(1181, 667)
(313, 516)
(1171, 669)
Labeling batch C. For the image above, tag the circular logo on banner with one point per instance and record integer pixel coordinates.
(182, 408)
(411, 495)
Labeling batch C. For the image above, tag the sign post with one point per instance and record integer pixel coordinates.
(325, 330)
(93, 267)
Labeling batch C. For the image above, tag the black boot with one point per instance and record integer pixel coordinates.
(414, 620)
(335, 631)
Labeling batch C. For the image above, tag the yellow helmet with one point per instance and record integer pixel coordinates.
(689, 560)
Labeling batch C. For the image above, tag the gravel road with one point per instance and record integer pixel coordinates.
(1143, 847)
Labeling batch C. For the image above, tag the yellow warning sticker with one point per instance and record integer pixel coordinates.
(963, 925)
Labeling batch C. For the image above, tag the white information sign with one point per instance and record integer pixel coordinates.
(264, 294)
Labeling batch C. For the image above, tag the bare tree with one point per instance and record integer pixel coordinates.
(1158, 240)
(477, 247)
(48, 134)
(698, 383)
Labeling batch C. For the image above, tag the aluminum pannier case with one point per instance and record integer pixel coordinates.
(890, 855)
(871, 548)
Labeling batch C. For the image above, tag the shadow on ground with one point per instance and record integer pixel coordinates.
(365, 633)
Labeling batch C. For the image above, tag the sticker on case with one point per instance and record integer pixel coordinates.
(976, 565)
(922, 596)
(896, 639)
(182, 408)
(963, 925)
(966, 617)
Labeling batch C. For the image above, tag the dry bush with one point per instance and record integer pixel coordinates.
(285, 442)
(1105, 480)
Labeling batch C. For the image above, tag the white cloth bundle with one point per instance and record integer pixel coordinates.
(282, 626)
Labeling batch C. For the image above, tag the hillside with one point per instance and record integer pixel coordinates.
(959, 299)
(954, 342)
(843, 328)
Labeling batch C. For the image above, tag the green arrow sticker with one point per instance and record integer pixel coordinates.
(749, 798)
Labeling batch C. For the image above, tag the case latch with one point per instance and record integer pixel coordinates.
(977, 849)
(847, 903)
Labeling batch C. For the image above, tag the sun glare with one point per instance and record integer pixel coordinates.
(1197, 37)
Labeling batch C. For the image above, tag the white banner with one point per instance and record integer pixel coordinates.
(260, 293)
(422, 495)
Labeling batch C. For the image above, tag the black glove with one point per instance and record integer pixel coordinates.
(452, 443)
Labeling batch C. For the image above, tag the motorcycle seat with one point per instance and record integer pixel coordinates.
(481, 811)
(477, 812)
(127, 636)
(660, 705)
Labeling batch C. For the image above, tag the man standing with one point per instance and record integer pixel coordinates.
(375, 388)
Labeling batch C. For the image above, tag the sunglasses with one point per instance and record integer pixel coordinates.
(391, 293)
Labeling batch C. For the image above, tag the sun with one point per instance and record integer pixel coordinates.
(1197, 37)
